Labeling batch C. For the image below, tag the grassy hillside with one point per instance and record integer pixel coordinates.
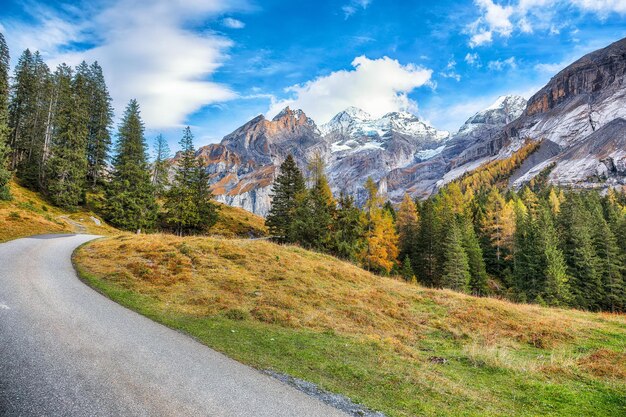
(28, 214)
(395, 347)
(237, 222)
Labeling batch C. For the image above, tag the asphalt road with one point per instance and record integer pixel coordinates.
(66, 350)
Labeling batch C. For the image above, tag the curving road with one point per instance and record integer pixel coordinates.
(66, 350)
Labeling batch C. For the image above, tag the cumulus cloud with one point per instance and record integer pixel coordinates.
(377, 86)
(231, 23)
(502, 18)
(145, 50)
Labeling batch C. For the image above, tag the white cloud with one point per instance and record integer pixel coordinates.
(502, 18)
(480, 38)
(145, 51)
(354, 6)
(377, 86)
(473, 59)
(499, 65)
(450, 71)
(601, 7)
(231, 23)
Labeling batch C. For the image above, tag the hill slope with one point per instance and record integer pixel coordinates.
(392, 346)
(28, 214)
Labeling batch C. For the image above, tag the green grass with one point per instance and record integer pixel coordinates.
(397, 375)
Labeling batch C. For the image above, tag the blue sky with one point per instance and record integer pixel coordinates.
(214, 64)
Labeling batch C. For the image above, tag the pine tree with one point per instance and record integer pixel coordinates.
(21, 106)
(99, 125)
(188, 203)
(288, 185)
(528, 261)
(610, 262)
(30, 118)
(67, 166)
(392, 211)
(407, 223)
(381, 250)
(314, 215)
(555, 290)
(130, 202)
(349, 231)
(455, 264)
(5, 175)
(407, 270)
(471, 244)
(161, 165)
(426, 262)
(580, 254)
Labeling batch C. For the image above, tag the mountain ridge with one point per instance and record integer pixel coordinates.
(403, 153)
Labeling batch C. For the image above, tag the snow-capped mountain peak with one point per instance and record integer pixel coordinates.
(358, 126)
(502, 112)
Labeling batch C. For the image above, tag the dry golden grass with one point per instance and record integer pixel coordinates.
(236, 222)
(396, 347)
(28, 214)
(295, 288)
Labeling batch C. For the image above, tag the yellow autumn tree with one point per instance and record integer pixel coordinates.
(498, 226)
(554, 201)
(407, 224)
(381, 250)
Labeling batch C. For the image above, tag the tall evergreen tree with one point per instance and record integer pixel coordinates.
(161, 165)
(67, 166)
(426, 262)
(610, 262)
(5, 175)
(580, 254)
(349, 229)
(30, 117)
(287, 187)
(528, 257)
(130, 202)
(314, 216)
(478, 274)
(188, 201)
(99, 125)
(555, 290)
(455, 264)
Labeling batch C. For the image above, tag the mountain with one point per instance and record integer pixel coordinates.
(455, 157)
(579, 109)
(579, 117)
(363, 146)
(354, 145)
(243, 166)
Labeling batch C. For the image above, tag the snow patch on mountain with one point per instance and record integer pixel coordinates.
(502, 112)
(354, 130)
(429, 153)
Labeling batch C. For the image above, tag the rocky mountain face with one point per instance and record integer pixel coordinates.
(244, 164)
(580, 117)
(353, 144)
(362, 147)
(459, 154)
